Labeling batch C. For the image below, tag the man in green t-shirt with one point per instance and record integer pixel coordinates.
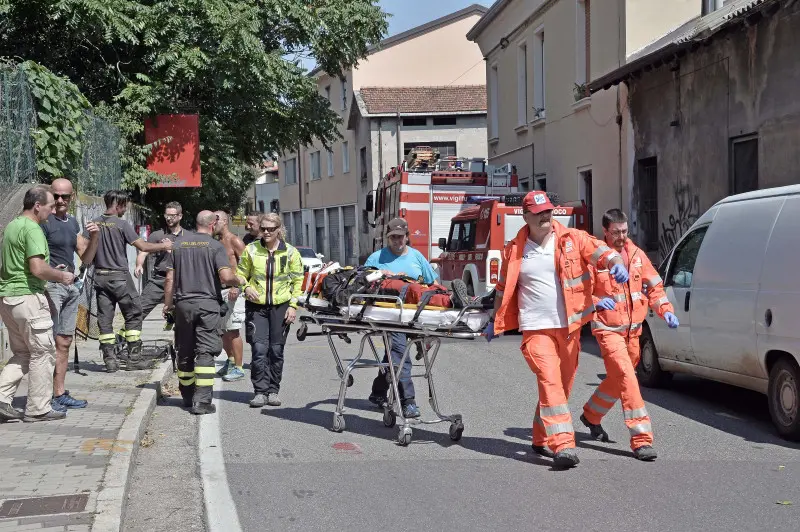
(25, 310)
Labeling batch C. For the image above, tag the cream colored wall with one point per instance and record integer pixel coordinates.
(440, 57)
(647, 20)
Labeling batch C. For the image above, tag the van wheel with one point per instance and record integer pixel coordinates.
(649, 371)
(784, 398)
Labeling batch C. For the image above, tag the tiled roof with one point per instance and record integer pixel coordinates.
(418, 100)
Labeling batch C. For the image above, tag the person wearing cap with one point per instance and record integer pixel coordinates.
(398, 258)
(545, 292)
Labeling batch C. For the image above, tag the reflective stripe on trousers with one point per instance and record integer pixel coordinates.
(597, 325)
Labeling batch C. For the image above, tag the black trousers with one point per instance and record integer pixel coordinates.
(152, 295)
(117, 288)
(197, 332)
(264, 326)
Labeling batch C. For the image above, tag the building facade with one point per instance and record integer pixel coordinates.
(714, 111)
(322, 194)
(540, 56)
(264, 195)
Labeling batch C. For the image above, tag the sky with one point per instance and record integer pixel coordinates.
(407, 14)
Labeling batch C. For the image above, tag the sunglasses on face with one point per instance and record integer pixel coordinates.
(269, 229)
(65, 197)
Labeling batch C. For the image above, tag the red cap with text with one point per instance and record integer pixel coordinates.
(536, 202)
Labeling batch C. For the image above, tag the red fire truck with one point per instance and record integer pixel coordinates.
(473, 248)
(428, 198)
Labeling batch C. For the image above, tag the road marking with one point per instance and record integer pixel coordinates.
(220, 509)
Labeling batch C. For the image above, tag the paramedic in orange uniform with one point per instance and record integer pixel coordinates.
(621, 309)
(545, 291)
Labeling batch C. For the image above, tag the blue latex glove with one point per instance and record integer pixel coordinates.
(671, 319)
(619, 273)
(607, 303)
(489, 332)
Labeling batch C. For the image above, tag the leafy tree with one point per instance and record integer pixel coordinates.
(233, 62)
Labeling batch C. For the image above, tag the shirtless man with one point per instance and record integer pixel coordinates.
(234, 319)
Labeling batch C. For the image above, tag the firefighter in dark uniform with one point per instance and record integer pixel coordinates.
(114, 285)
(193, 291)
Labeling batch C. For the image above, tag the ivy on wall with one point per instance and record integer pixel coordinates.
(61, 120)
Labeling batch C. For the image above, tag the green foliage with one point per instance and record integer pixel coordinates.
(61, 120)
(233, 62)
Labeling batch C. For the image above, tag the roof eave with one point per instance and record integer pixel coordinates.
(486, 19)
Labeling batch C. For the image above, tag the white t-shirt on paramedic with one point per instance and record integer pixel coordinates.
(539, 292)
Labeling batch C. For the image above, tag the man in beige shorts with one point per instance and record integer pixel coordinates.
(25, 310)
(234, 319)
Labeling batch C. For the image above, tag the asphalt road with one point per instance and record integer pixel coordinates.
(720, 465)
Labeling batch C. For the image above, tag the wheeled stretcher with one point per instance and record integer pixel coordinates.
(376, 316)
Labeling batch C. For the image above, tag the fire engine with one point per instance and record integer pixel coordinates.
(474, 246)
(428, 191)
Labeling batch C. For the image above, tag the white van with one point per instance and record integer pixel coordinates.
(734, 280)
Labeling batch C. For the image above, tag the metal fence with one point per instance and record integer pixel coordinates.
(17, 120)
(99, 169)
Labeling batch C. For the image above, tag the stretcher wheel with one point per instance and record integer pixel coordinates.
(350, 380)
(338, 423)
(389, 418)
(404, 436)
(301, 332)
(456, 430)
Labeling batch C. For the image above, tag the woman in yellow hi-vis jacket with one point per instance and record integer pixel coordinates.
(271, 273)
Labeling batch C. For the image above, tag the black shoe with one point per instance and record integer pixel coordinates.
(9, 413)
(566, 458)
(203, 408)
(596, 430)
(487, 301)
(378, 400)
(543, 451)
(187, 402)
(112, 365)
(645, 453)
(110, 357)
(460, 297)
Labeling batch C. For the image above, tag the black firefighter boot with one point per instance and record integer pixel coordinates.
(110, 357)
(135, 359)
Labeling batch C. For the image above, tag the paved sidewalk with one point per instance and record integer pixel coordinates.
(83, 461)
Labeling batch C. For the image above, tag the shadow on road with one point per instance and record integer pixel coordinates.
(740, 412)
(374, 428)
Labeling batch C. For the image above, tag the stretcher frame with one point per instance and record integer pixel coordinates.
(427, 339)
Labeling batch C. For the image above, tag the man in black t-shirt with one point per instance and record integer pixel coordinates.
(114, 285)
(251, 226)
(64, 239)
(153, 291)
(193, 288)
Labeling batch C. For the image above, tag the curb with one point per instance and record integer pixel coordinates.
(112, 498)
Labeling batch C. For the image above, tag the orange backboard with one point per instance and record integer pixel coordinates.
(180, 156)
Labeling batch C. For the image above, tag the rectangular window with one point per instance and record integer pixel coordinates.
(315, 166)
(362, 162)
(585, 185)
(744, 164)
(328, 93)
(582, 40)
(446, 149)
(330, 163)
(345, 158)
(290, 171)
(539, 82)
(522, 84)
(541, 184)
(493, 98)
(647, 186)
(445, 120)
(709, 6)
(344, 93)
(415, 121)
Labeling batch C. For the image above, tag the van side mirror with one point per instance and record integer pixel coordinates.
(443, 244)
(370, 202)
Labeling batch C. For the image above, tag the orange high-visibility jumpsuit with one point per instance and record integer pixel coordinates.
(552, 354)
(617, 331)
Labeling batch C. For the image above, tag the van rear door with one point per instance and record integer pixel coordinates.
(778, 303)
(725, 285)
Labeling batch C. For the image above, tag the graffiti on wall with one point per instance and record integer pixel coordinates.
(687, 211)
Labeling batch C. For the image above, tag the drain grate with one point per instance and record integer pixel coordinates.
(61, 504)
